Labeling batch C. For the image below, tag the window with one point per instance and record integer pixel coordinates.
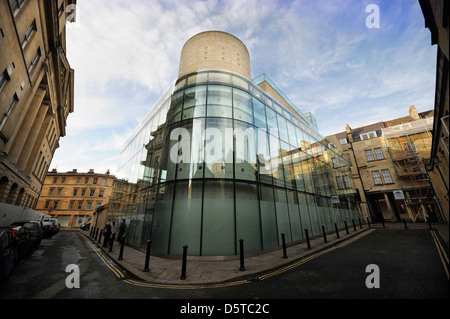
(55, 204)
(55, 180)
(78, 180)
(47, 204)
(349, 159)
(333, 160)
(35, 58)
(411, 148)
(28, 34)
(378, 153)
(369, 155)
(71, 204)
(341, 161)
(339, 182)
(343, 141)
(377, 178)
(83, 192)
(50, 192)
(368, 135)
(80, 203)
(92, 192)
(100, 193)
(16, 5)
(387, 176)
(9, 109)
(75, 191)
(346, 181)
(3, 78)
(95, 180)
(88, 205)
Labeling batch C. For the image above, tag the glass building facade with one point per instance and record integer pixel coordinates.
(221, 158)
(233, 164)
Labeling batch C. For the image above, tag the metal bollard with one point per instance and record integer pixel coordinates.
(90, 231)
(96, 234)
(404, 223)
(368, 222)
(308, 244)
(324, 235)
(337, 230)
(429, 223)
(183, 266)
(354, 226)
(346, 227)
(147, 256)
(122, 244)
(283, 239)
(241, 249)
(100, 237)
(360, 224)
(382, 221)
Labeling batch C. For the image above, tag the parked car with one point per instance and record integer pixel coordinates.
(51, 226)
(8, 253)
(86, 226)
(36, 228)
(25, 243)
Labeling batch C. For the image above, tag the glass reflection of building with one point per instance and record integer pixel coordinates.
(221, 158)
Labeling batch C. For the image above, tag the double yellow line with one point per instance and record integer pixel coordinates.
(109, 263)
(441, 251)
(184, 287)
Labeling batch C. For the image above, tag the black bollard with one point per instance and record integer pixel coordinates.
(346, 227)
(90, 231)
(308, 244)
(336, 229)
(382, 222)
(324, 235)
(360, 224)
(368, 222)
(354, 226)
(100, 237)
(404, 223)
(147, 256)
(122, 244)
(241, 250)
(183, 266)
(283, 239)
(96, 234)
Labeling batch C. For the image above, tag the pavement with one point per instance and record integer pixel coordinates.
(202, 271)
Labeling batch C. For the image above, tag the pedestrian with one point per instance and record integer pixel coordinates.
(106, 234)
(113, 234)
(122, 228)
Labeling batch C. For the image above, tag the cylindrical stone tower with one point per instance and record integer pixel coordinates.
(215, 50)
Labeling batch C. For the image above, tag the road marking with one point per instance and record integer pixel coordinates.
(38, 252)
(185, 287)
(441, 251)
(309, 258)
(109, 263)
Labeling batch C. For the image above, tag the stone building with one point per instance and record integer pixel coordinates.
(72, 197)
(388, 161)
(36, 93)
(436, 14)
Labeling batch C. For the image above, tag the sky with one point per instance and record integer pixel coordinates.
(321, 54)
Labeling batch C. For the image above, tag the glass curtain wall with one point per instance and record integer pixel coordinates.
(238, 165)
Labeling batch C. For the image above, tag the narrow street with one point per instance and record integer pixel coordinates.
(408, 260)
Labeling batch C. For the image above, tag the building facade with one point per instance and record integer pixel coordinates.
(436, 14)
(73, 197)
(388, 167)
(221, 158)
(36, 94)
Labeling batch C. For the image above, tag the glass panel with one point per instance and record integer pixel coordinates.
(189, 150)
(161, 222)
(218, 219)
(282, 215)
(282, 128)
(292, 136)
(276, 154)
(240, 82)
(264, 161)
(294, 215)
(272, 124)
(242, 102)
(194, 102)
(197, 78)
(268, 218)
(289, 174)
(219, 77)
(175, 108)
(259, 113)
(187, 217)
(304, 212)
(219, 101)
(219, 148)
(248, 225)
(314, 230)
(245, 151)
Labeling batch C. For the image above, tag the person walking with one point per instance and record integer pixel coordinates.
(122, 228)
(106, 234)
(113, 234)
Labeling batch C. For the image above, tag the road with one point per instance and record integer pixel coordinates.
(408, 262)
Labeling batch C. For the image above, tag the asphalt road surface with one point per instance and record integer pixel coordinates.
(407, 262)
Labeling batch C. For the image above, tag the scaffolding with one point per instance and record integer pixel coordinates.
(409, 145)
